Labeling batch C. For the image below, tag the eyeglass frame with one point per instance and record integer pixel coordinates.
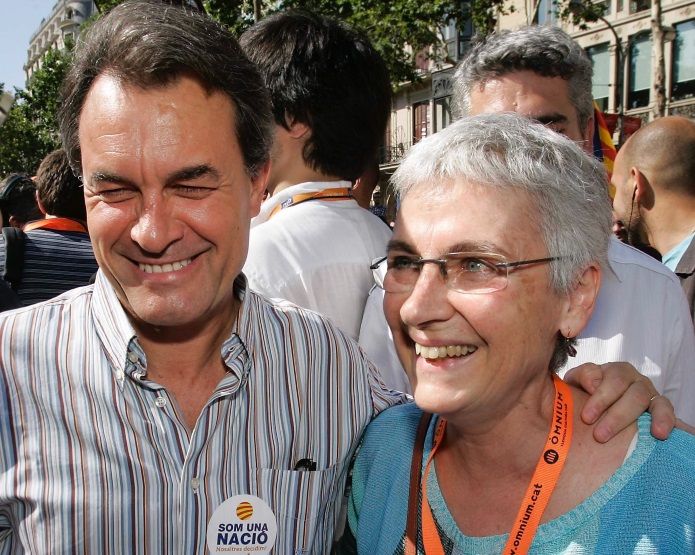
(379, 275)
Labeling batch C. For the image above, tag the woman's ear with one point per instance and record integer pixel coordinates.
(581, 300)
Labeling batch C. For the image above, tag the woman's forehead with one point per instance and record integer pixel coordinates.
(441, 216)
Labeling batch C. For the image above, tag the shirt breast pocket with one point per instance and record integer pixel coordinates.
(305, 504)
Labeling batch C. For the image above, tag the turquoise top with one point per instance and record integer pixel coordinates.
(646, 507)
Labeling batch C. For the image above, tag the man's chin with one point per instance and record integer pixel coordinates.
(149, 310)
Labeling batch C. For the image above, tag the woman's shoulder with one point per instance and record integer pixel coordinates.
(678, 449)
(678, 452)
(390, 436)
(664, 467)
(397, 424)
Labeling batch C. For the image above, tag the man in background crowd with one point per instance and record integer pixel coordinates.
(654, 179)
(53, 254)
(312, 243)
(18, 201)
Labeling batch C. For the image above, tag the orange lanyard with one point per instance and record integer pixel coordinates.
(57, 224)
(338, 193)
(539, 490)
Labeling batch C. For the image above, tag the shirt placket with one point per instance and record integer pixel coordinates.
(190, 536)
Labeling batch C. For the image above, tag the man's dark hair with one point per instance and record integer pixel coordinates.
(149, 44)
(59, 190)
(18, 199)
(329, 77)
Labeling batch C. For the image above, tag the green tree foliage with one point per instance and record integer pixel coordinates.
(31, 129)
(389, 25)
(580, 12)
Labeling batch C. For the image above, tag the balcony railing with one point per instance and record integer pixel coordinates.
(393, 154)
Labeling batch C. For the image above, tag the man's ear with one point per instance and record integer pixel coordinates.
(589, 136)
(296, 129)
(644, 194)
(39, 203)
(258, 188)
(581, 300)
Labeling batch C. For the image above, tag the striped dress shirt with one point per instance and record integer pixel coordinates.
(96, 458)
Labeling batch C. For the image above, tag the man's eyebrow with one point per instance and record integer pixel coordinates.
(194, 172)
(185, 174)
(106, 177)
(546, 119)
(397, 245)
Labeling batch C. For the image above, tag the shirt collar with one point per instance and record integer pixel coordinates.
(112, 324)
(672, 258)
(120, 342)
(309, 187)
(686, 264)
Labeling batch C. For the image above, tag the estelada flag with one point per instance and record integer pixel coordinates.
(603, 145)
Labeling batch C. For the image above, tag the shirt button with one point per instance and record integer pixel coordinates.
(160, 401)
(195, 483)
(120, 375)
(132, 357)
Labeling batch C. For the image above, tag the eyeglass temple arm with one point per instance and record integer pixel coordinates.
(525, 262)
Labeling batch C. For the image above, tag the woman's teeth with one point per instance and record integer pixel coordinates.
(442, 352)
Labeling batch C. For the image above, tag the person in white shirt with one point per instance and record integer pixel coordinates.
(312, 243)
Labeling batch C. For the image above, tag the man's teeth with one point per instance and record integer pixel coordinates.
(159, 268)
(441, 352)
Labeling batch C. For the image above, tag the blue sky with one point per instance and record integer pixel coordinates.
(18, 21)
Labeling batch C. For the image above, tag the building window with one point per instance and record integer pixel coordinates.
(607, 6)
(442, 113)
(684, 61)
(458, 41)
(640, 5)
(421, 120)
(450, 36)
(600, 61)
(546, 13)
(640, 81)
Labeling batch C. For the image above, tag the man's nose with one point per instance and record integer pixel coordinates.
(157, 226)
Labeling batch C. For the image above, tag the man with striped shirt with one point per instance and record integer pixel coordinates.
(131, 411)
(168, 408)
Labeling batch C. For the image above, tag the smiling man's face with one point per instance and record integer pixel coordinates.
(168, 198)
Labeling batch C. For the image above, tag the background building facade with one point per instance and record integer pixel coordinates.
(61, 25)
(622, 50)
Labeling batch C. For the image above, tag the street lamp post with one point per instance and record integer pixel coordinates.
(619, 93)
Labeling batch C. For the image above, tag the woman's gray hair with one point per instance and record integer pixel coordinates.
(505, 151)
(547, 51)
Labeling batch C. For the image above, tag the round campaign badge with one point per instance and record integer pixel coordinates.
(243, 524)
